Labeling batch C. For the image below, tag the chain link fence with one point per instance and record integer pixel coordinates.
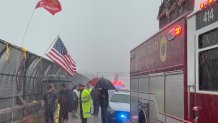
(24, 80)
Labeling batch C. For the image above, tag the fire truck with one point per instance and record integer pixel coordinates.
(174, 73)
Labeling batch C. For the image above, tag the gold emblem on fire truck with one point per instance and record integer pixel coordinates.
(163, 49)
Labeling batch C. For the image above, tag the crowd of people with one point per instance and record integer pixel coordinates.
(81, 101)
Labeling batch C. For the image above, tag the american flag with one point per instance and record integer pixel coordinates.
(59, 55)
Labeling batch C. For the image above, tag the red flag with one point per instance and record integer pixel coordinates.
(53, 6)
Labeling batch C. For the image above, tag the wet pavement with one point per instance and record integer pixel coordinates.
(90, 120)
(39, 119)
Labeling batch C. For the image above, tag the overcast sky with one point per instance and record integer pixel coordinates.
(98, 34)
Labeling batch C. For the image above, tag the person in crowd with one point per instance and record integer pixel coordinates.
(94, 95)
(53, 88)
(84, 103)
(88, 88)
(64, 102)
(75, 95)
(91, 101)
(48, 103)
(103, 100)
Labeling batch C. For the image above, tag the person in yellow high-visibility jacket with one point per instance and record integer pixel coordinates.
(57, 114)
(84, 99)
(91, 101)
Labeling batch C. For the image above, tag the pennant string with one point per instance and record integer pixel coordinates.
(27, 27)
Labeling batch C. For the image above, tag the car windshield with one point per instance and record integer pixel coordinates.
(120, 98)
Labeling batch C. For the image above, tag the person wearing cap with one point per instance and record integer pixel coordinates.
(85, 105)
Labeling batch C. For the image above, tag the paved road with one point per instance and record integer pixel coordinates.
(90, 120)
(38, 119)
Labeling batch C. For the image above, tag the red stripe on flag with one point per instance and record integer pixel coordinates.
(57, 59)
(71, 66)
(60, 61)
(59, 64)
(51, 56)
(70, 60)
(73, 62)
(64, 59)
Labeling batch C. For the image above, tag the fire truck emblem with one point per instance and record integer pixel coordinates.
(163, 49)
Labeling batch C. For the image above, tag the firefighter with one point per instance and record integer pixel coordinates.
(84, 99)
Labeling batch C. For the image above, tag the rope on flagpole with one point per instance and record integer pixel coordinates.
(46, 51)
(27, 27)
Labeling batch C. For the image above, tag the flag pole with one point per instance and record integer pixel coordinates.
(12, 114)
(18, 57)
(46, 50)
(27, 27)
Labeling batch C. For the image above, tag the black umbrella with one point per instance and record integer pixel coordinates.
(105, 84)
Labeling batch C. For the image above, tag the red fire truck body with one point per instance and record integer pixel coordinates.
(174, 74)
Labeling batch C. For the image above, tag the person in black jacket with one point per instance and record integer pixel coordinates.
(64, 102)
(75, 100)
(94, 95)
(103, 101)
(48, 104)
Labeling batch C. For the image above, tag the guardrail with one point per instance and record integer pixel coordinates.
(21, 108)
(8, 110)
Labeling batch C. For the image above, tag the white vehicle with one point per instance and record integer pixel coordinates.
(119, 107)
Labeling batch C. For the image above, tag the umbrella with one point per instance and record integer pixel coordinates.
(94, 81)
(105, 84)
